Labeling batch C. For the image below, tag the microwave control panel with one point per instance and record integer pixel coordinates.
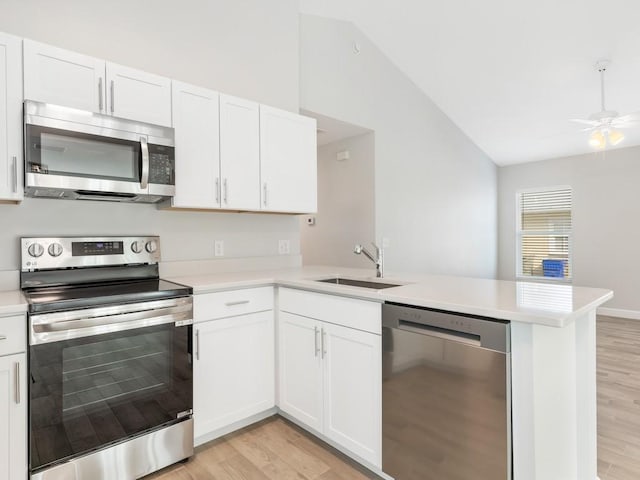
(162, 165)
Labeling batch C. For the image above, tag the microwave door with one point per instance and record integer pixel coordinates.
(67, 160)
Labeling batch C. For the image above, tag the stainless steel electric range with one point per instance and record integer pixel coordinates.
(110, 359)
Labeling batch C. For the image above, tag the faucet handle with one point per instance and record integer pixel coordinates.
(357, 249)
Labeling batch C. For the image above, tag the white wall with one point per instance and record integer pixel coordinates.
(345, 205)
(435, 191)
(606, 218)
(247, 48)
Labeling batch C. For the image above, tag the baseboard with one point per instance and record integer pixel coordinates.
(363, 463)
(619, 312)
(235, 426)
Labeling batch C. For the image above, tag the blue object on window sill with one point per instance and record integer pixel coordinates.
(553, 268)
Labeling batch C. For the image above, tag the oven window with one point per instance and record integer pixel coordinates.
(90, 392)
(121, 367)
(56, 152)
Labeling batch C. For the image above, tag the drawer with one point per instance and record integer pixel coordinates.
(209, 306)
(345, 311)
(13, 334)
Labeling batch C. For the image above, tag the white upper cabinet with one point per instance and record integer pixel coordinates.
(239, 153)
(10, 118)
(57, 76)
(138, 95)
(288, 161)
(61, 77)
(197, 138)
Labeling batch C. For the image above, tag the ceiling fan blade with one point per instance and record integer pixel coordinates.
(592, 123)
(630, 117)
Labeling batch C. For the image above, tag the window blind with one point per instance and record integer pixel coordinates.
(544, 233)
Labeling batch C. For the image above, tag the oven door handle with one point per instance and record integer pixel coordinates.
(45, 332)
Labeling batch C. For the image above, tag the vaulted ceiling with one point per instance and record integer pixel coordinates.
(509, 73)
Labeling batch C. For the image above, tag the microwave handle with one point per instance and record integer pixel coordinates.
(144, 148)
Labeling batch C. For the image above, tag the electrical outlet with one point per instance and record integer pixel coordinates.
(284, 247)
(218, 248)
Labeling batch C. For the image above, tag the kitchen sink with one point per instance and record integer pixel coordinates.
(351, 282)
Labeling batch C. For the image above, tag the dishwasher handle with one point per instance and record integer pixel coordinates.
(489, 333)
(442, 333)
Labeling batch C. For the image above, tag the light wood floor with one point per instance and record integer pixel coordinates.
(618, 342)
(273, 449)
(277, 450)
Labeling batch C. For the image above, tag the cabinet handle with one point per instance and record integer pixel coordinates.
(324, 345)
(225, 197)
(315, 341)
(112, 97)
(218, 190)
(238, 302)
(100, 96)
(265, 194)
(3, 337)
(15, 173)
(17, 373)
(197, 344)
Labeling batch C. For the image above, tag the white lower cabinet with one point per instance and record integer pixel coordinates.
(13, 399)
(330, 375)
(300, 368)
(234, 367)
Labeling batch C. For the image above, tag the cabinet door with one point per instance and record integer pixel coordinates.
(353, 390)
(197, 137)
(234, 372)
(57, 76)
(300, 381)
(11, 184)
(288, 161)
(138, 95)
(239, 153)
(13, 417)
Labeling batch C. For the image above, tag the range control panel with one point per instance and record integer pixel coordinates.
(39, 253)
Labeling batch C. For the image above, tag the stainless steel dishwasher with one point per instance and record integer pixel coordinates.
(446, 395)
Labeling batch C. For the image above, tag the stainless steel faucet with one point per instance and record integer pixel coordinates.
(378, 259)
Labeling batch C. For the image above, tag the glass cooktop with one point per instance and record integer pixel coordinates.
(59, 298)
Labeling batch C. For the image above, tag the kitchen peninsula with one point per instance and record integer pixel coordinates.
(553, 360)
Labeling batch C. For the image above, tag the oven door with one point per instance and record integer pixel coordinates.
(100, 376)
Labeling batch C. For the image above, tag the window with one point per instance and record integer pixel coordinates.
(544, 233)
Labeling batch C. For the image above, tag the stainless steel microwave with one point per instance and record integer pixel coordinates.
(81, 155)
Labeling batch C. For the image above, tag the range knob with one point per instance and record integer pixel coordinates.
(151, 246)
(55, 249)
(137, 246)
(35, 250)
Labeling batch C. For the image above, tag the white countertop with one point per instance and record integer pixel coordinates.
(12, 302)
(528, 302)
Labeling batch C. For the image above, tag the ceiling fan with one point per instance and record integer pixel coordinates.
(605, 125)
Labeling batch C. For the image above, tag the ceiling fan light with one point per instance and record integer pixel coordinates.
(615, 136)
(597, 139)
